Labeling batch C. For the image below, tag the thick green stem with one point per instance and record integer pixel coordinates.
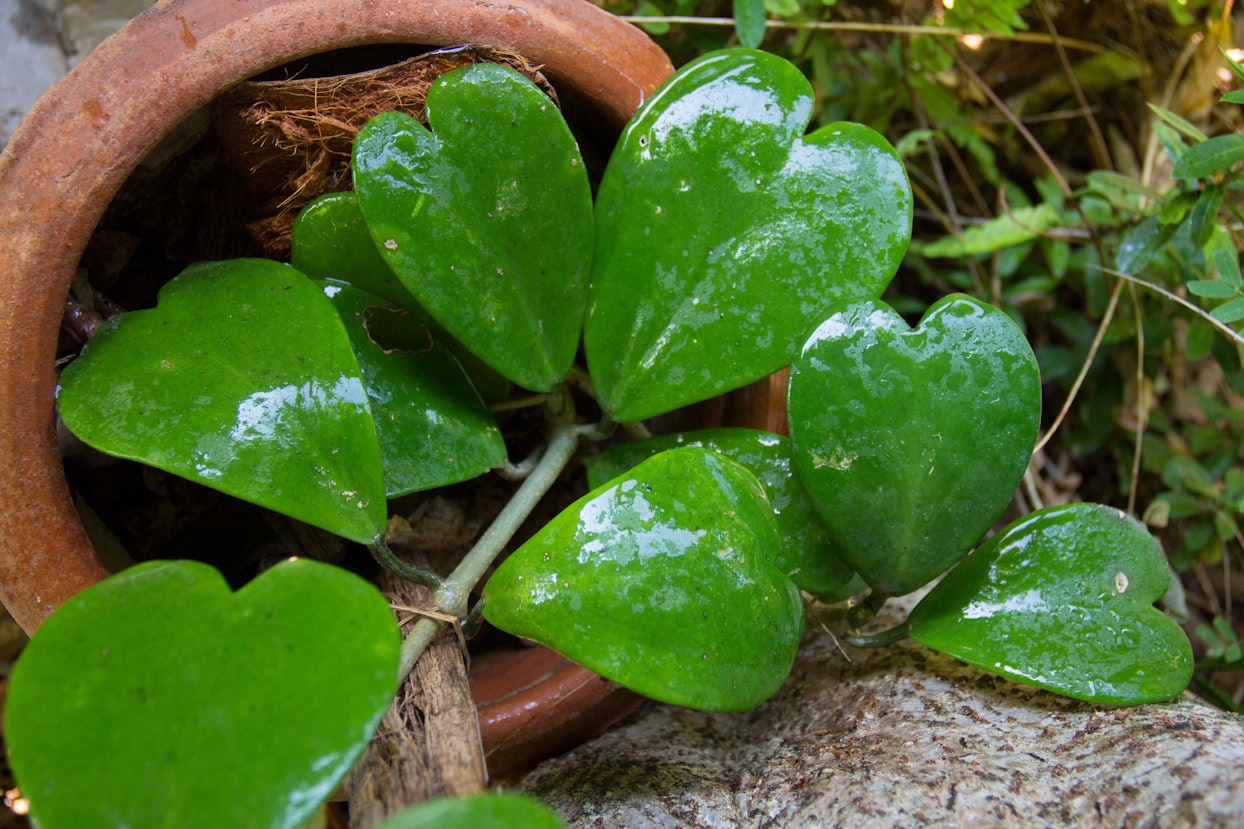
(403, 569)
(877, 640)
(424, 633)
(453, 594)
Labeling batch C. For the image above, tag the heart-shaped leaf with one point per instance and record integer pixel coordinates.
(724, 235)
(330, 241)
(243, 379)
(661, 581)
(432, 426)
(505, 810)
(911, 442)
(159, 698)
(1063, 599)
(487, 222)
(806, 554)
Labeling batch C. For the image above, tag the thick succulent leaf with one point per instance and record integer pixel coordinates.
(160, 698)
(433, 428)
(807, 554)
(911, 442)
(488, 220)
(1063, 599)
(330, 241)
(724, 234)
(243, 379)
(662, 581)
(504, 810)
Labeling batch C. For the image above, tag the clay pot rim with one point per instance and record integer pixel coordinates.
(84, 137)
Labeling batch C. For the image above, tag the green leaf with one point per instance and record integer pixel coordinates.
(911, 442)
(242, 379)
(1177, 207)
(487, 221)
(503, 810)
(806, 555)
(1172, 142)
(1141, 244)
(433, 428)
(1226, 262)
(1211, 289)
(1112, 185)
(1234, 65)
(1063, 599)
(724, 234)
(1204, 215)
(648, 9)
(1235, 96)
(1229, 312)
(330, 241)
(749, 22)
(1209, 157)
(160, 698)
(1181, 125)
(663, 582)
(1023, 224)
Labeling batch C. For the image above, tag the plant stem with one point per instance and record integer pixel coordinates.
(453, 594)
(876, 640)
(424, 633)
(387, 559)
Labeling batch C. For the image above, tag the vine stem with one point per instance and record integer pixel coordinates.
(453, 594)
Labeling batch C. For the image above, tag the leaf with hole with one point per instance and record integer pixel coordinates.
(663, 581)
(487, 220)
(242, 379)
(724, 233)
(330, 241)
(1063, 599)
(159, 697)
(433, 428)
(807, 554)
(911, 441)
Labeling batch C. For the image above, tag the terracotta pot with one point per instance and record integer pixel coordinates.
(80, 142)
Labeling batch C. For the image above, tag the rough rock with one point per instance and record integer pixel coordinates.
(905, 737)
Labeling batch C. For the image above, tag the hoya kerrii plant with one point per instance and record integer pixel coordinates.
(471, 264)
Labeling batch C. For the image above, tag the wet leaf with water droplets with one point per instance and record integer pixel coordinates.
(486, 220)
(159, 697)
(243, 379)
(434, 429)
(806, 554)
(911, 442)
(724, 234)
(1063, 599)
(662, 580)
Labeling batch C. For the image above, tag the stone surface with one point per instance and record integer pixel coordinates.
(905, 737)
(40, 40)
(30, 59)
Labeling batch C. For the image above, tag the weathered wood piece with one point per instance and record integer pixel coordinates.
(428, 744)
